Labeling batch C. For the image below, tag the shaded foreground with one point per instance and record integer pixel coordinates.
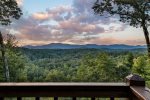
(133, 89)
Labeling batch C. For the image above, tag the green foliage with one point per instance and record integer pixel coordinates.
(86, 65)
(8, 10)
(96, 68)
(55, 76)
(141, 66)
(134, 12)
(34, 73)
(79, 64)
(124, 65)
(16, 63)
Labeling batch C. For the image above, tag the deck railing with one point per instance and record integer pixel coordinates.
(133, 89)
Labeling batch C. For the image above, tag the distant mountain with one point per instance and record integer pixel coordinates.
(94, 46)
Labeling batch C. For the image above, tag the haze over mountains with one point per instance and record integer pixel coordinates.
(88, 46)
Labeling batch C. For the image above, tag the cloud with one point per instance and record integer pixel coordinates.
(41, 16)
(28, 28)
(20, 2)
(71, 26)
(66, 24)
(52, 14)
(85, 14)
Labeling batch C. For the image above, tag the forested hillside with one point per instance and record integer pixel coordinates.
(78, 65)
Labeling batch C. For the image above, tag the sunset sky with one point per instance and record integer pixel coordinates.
(71, 22)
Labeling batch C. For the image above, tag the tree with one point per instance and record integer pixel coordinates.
(18, 64)
(16, 60)
(10, 41)
(144, 71)
(55, 75)
(8, 10)
(134, 12)
(98, 68)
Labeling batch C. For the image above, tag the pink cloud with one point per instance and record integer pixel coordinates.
(77, 27)
(76, 24)
(20, 2)
(41, 16)
(51, 14)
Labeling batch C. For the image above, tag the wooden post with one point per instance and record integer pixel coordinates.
(136, 83)
(74, 98)
(93, 98)
(19, 98)
(135, 80)
(37, 98)
(55, 98)
(112, 98)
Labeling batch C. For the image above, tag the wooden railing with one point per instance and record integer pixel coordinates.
(133, 89)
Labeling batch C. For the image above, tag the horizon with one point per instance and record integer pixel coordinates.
(69, 22)
(81, 44)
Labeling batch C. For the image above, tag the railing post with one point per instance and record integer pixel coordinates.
(37, 98)
(112, 98)
(55, 98)
(19, 98)
(93, 98)
(74, 98)
(135, 82)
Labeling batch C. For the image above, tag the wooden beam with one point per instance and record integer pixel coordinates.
(140, 93)
(64, 89)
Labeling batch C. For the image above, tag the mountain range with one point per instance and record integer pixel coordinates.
(88, 46)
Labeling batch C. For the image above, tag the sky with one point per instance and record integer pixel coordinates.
(71, 22)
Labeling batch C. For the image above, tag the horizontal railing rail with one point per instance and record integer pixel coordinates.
(131, 89)
(140, 93)
(64, 89)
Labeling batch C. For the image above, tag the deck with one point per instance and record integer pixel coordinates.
(131, 89)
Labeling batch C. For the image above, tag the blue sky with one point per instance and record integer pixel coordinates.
(72, 22)
(33, 6)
